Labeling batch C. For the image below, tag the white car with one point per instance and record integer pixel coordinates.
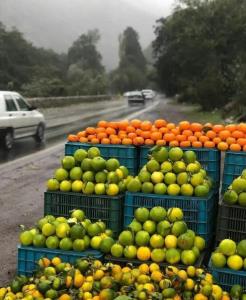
(18, 120)
(148, 94)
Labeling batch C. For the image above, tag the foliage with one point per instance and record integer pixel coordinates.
(38, 72)
(44, 87)
(84, 53)
(199, 51)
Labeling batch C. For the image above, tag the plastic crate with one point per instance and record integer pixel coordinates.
(235, 163)
(127, 155)
(209, 159)
(231, 222)
(29, 256)
(106, 208)
(199, 213)
(226, 277)
(135, 262)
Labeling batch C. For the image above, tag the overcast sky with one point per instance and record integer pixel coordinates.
(57, 24)
(153, 6)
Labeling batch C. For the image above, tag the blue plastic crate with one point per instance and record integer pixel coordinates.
(235, 163)
(108, 209)
(29, 256)
(209, 159)
(226, 277)
(127, 155)
(199, 213)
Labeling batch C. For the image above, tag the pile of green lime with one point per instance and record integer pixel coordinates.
(88, 173)
(173, 172)
(230, 254)
(159, 235)
(236, 192)
(75, 233)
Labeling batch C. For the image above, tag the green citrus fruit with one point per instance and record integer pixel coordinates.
(75, 173)
(61, 174)
(80, 155)
(68, 162)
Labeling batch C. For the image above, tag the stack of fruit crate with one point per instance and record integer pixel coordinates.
(199, 210)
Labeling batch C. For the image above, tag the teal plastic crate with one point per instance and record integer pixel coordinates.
(235, 163)
(199, 213)
(226, 277)
(105, 208)
(231, 222)
(29, 256)
(127, 155)
(209, 159)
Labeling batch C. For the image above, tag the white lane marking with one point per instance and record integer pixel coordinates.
(30, 158)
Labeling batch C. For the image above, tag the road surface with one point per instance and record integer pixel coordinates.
(63, 120)
(23, 180)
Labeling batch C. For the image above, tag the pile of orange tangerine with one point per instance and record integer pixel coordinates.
(184, 134)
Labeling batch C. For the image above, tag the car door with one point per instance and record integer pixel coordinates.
(29, 122)
(12, 115)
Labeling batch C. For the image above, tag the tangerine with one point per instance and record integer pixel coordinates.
(222, 146)
(160, 123)
(183, 125)
(235, 147)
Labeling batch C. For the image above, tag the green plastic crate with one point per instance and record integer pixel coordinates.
(105, 208)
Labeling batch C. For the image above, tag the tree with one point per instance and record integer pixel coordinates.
(131, 72)
(199, 50)
(84, 53)
(130, 51)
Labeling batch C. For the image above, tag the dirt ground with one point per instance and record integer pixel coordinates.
(22, 186)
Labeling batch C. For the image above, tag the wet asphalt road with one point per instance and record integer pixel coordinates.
(56, 132)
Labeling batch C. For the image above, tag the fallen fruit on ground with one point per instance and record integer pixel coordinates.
(90, 279)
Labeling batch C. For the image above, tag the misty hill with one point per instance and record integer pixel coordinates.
(57, 23)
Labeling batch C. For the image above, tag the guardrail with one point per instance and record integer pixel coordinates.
(47, 102)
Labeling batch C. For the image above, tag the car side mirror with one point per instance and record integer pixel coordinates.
(32, 107)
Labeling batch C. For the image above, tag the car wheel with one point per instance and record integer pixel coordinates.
(8, 140)
(39, 136)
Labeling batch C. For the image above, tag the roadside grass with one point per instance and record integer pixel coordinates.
(195, 114)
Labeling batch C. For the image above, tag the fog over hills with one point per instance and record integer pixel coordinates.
(57, 23)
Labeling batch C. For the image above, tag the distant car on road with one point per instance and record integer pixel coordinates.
(135, 98)
(18, 120)
(148, 94)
